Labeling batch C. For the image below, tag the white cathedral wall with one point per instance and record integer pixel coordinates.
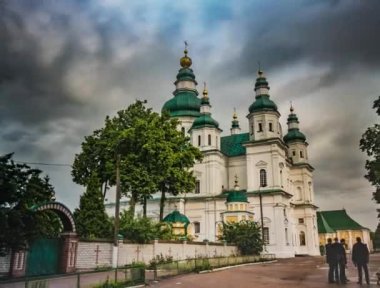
(237, 167)
(203, 133)
(264, 118)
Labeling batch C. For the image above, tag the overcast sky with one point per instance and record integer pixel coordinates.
(65, 65)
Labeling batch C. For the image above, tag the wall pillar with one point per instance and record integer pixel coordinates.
(18, 263)
(68, 252)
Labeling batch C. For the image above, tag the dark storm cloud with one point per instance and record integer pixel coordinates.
(336, 34)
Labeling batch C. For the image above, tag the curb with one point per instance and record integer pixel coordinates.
(240, 265)
(137, 286)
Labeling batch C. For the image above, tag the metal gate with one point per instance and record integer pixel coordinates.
(43, 257)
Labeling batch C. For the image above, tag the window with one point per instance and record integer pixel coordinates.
(301, 221)
(263, 178)
(302, 239)
(281, 181)
(260, 127)
(241, 207)
(197, 227)
(183, 130)
(294, 152)
(199, 140)
(216, 142)
(270, 127)
(209, 139)
(299, 194)
(197, 187)
(266, 235)
(286, 237)
(301, 154)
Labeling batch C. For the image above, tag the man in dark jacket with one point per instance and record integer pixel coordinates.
(342, 261)
(360, 258)
(331, 259)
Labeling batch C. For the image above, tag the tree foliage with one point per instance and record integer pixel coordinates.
(142, 229)
(370, 143)
(90, 218)
(246, 235)
(21, 188)
(154, 155)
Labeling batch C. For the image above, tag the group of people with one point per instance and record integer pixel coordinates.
(337, 259)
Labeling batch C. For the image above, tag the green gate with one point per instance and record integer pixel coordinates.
(43, 257)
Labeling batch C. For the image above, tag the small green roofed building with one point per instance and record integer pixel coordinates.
(237, 205)
(178, 221)
(338, 224)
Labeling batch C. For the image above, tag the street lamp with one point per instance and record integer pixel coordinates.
(261, 214)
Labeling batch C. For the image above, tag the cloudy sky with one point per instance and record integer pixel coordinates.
(65, 65)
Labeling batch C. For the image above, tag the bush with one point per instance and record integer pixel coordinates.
(246, 235)
(160, 259)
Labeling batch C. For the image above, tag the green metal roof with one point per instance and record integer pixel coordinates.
(175, 217)
(185, 74)
(261, 103)
(294, 134)
(339, 220)
(184, 103)
(237, 196)
(232, 145)
(323, 226)
(205, 120)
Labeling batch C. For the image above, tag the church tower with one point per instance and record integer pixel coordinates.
(263, 114)
(205, 131)
(235, 128)
(296, 140)
(185, 106)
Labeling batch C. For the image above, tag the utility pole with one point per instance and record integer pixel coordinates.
(115, 249)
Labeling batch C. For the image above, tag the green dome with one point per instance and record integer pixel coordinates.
(185, 74)
(237, 196)
(293, 135)
(261, 103)
(205, 120)
(176, 217)
(184, 103)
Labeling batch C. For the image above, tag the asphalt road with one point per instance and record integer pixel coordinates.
(295, 272)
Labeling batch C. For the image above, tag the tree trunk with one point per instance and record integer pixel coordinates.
(144, 206)
(162, 204)
(104, 190)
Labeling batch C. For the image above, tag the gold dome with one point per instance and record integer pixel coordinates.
(205, 91)
(185, 60)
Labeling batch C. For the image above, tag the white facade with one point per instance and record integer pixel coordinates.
(288, 209)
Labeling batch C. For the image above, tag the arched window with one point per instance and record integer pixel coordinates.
(263, 178)
(209, 139)
(302, 238)
(199, 140)
(197, 227)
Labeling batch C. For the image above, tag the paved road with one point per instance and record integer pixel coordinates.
(287, 273)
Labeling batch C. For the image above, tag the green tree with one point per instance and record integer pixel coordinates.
(21, 188)
(154, 155)
(246, 235)
(90, 218)
(142, 229)
(370, 143)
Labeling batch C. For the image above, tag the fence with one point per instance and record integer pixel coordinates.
(201, 264)
(126, 276)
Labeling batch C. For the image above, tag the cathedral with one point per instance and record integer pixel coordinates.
(259, 175)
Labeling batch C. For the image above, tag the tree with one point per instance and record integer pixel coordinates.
(154, 155)
(142, 229)
(90, 218)
(246, 235)
(370, 143)
(21, 188)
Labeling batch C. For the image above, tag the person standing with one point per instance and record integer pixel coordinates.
(337, 248)
(360, 258)
(331, 259)
(342, 261)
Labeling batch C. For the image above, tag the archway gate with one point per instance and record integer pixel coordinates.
(51, 256)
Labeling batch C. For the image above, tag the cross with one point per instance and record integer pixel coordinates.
(170, 251)
(97, 254)
(196, 251)
(186, 44)
(215, 252)
(138, 252)
(258, 62)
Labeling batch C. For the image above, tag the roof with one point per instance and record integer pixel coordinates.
(232, 145)
(184, 103)
(323, 226)
(262, 103)
(205, 120)
(294, 134)
(237, 196)
(336, 220)
(175, 217)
